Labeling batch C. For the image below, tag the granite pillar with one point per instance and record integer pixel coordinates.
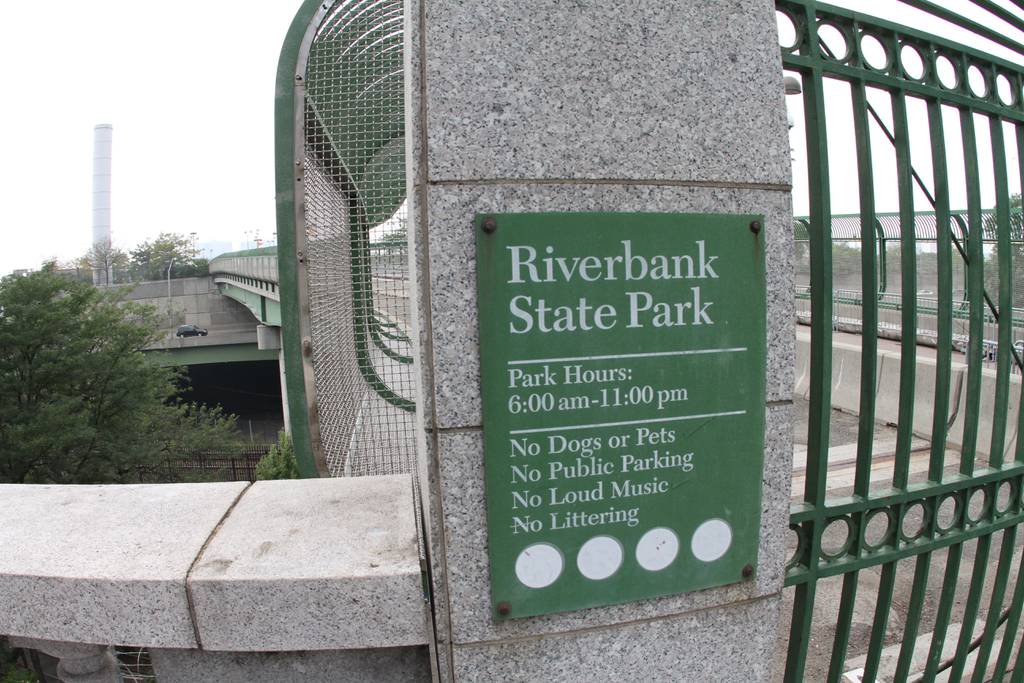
(554, 106)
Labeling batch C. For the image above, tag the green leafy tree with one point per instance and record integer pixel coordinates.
(106, 261)
(280, 461)
(150, 260)
(79, 400)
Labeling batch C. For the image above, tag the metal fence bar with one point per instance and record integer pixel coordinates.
(868, 369)
(971, 607)
(1012, 622)
(821, 348)
(942, 381)
(869, 282)
(1018, 667)
(994, 616)
(918, 592)
(1000, 12)
(844, 620)
(943, 611)
(1005, 295)
(908, 360)
(963, 22)
(944, 314)
(821, 282)
(908, 271)
(975, 291)
(1017, 599)
(883, 604)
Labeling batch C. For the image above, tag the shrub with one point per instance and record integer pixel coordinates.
(279, 462)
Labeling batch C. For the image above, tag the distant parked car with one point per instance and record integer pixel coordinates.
(191, 331)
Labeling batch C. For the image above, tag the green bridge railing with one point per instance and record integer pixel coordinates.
(940, 123)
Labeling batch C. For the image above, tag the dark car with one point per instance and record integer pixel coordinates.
(190, 331)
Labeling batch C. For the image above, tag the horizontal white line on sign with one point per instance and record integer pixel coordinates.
(689, 352)
(627, 422)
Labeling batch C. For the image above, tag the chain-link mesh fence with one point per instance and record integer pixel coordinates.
(355, 233)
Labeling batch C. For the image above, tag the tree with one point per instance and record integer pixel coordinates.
(79, 400)
(150, 260)
(104, 261)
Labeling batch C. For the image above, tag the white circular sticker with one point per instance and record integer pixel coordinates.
(539, 565)
(599, 558)
(711, 540)
(657, 548)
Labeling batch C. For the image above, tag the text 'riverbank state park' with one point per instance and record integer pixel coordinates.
(622, 370)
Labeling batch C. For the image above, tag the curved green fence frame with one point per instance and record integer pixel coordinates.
(340, 173)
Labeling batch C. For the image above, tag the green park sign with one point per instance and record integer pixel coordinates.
(622, 370)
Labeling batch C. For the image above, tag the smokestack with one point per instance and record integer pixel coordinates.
(103, 137)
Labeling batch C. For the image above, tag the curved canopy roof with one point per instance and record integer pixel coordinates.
(355, 101)
(888, 226)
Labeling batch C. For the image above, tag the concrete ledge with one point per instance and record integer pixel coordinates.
(104, 564)
(311, 564)
(316, 564)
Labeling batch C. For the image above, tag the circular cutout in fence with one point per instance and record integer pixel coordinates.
(946, 72)
(915, 521)
(873, 52)
(977, 81)
(878, 528)
(913, 64)
(711, 540)
(787, 30)
(539, 565)
(794, 546)
(657, 549)
(977, 505)
(836, 538)
(947, 515)
(599, 558)
(1004, 88)
(832, 42)
(1004, 497)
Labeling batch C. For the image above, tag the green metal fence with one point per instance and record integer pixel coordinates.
(341, 233)
(882, 571)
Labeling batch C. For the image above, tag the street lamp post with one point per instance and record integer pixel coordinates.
(170, 313)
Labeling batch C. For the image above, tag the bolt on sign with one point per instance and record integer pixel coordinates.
(622, 370)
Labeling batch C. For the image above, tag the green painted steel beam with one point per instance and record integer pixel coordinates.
(265, 309)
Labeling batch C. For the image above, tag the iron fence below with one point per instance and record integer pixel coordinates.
(236, 465)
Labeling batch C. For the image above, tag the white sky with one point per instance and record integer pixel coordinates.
(189, 89)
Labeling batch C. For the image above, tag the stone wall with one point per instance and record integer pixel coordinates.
(193, 301)
(242, 582)
(549, 106)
